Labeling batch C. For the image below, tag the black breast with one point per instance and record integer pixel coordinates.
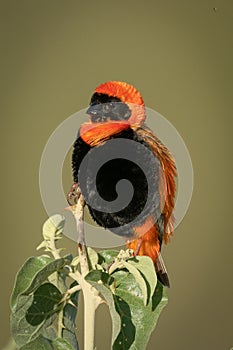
(102, 171)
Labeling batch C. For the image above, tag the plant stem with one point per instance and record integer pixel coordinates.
(60, 324)
(78, 212)
(90, 305)
(91, 297)
(73, 289)
(54, 250)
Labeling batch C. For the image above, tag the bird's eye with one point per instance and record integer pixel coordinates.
(113, 105)
(106, 106)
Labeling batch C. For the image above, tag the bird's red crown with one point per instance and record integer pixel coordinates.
(125, 92)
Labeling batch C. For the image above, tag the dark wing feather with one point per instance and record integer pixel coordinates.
(167, 184)
(167, 187)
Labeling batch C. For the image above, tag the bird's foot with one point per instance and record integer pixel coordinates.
(74, 194)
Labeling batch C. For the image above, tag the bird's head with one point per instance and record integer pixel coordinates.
(116, 101)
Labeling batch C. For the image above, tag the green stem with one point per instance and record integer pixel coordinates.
(91, 297)
(54, 250)
(73, 289)
(60, 324)
(91, 303)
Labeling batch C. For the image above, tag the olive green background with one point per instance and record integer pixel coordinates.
(179, 54)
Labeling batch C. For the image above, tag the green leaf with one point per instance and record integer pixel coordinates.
(48, 330)
(45, 303)
(137, 320)
(107, 256)
(99, 277)
(133, 288)
(69, 318)
(33, 313)
(62, 344)
(40, 343)
(33, 273)
(139, 279)
(127, 332)
(92, 257)
(75, 261)
(24, 278)
(146, 266)
(125, 281)
(53, 227)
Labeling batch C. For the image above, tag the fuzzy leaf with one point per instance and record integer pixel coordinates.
(92, 257)
(139, 279)
(131, 287)
(75, 261)
(33, 273)
(99, 277)
(33, 313)
(62, 344)
(40, 343)
(53, 227)
(45, 303)
(126, 336)
(48, 330)
(107, 256)
(26, 275)
(137, 320)
(146, 266)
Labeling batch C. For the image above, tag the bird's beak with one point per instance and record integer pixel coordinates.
(96, 113)
(93, 110)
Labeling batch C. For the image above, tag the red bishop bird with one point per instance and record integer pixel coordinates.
(117, 111)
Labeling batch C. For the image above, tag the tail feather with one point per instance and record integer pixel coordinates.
(149, 244)
(161, 271)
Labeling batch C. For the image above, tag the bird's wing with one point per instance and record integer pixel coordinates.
(167, 185)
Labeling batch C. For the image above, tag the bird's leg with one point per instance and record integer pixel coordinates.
(74, 192)
(138, 247)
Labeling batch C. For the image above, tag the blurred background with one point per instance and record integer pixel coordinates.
(179, 55)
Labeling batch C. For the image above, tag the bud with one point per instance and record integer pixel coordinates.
(53, 227)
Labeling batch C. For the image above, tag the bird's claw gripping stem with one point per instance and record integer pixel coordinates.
(74, 194)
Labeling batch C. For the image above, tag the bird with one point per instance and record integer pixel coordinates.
(117, 112)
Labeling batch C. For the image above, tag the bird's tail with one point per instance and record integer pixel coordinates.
(148, 244)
